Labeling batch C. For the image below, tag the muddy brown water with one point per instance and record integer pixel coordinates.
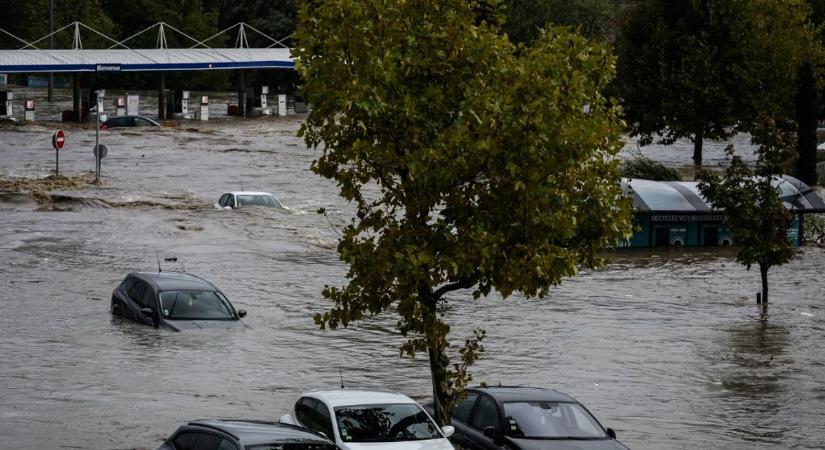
(666, 348)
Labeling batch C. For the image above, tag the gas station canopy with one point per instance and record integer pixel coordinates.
(143, 60)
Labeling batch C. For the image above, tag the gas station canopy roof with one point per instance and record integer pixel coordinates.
(684, 196)
(134, 60)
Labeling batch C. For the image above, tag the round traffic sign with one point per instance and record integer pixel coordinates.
(100, 149)
(59, 139)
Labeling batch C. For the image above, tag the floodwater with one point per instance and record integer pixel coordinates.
(667, 348)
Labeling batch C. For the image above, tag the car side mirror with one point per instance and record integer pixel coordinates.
(448, 430)
(241, 313)
(611, 434)
(147, 312)
(491, 432)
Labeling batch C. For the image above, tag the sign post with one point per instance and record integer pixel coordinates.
(97, 134)
(58, 140)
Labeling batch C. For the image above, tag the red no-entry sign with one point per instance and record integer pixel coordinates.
(58, 139)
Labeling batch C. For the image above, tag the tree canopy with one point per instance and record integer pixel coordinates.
(473, 163)
(706, 69)
(592, 18)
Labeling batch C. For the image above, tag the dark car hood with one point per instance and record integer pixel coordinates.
(572, 444)
(179, 325)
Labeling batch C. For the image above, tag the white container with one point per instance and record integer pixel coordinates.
(282, 104)
(132, 105)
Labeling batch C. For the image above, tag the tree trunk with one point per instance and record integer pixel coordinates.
(697, 147)
(763, 271)
(438, 372)
(437, 355)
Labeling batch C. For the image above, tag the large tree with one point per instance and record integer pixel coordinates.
(472, 163)
(706, 69)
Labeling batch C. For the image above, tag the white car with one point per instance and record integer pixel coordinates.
(247, 198)
(361, 419)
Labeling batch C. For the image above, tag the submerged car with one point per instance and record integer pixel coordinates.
(173, 300)
(244, 435)
(367, 419)
(240, 199)
(527, 418)
(128, 121)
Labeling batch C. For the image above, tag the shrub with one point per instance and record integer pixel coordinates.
(642, 167)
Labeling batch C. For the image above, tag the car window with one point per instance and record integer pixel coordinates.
(463, 409)
(141, 122)
(185, 441)
(207, 442)
(486, 414)
(273, 446)
(227, 445)
(258, 200)
(304, 411)
(149, 300)
(230, 201)
(195, 305)
(543, 419)
(324, 420)
(137, 291)
(224, 200)
(127, 284)
(385, 423)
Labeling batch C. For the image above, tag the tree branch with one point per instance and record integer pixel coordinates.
(461, 284)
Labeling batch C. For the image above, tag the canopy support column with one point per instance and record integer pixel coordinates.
(76, 97)
(242, 94)
(162, 97)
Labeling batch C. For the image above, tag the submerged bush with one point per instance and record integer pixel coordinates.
(642, 167)
(813, 230)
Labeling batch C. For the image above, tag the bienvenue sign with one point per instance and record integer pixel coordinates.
(108, 68)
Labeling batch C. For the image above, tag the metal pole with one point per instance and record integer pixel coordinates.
(56, 162)
(97, 138)
(51, 45)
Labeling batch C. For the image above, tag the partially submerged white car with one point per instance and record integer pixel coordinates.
(248, 198)
(367, 419)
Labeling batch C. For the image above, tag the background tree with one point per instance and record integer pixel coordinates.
(807, 111)
(472, 163)
(706, 69)
(593, 18)
(753, 207)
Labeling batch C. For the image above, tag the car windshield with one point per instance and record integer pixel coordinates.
(385, 423)
(258, 200)
(288, 446)
(557, 420)
(195, 305)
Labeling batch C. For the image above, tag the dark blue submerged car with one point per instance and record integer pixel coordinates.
(173, 300)
(244, 435)
(527, 418)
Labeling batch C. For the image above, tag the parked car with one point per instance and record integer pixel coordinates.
(367, 419)
(244, 435)
(173, 300)
(496, 418)
(240, 199)
(128, 121)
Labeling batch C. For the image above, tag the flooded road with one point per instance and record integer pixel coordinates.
(666, 348)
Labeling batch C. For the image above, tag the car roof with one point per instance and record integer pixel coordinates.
(523, 393)
(258, 432)
(248, 193)
(174, 281)
(350, 397)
